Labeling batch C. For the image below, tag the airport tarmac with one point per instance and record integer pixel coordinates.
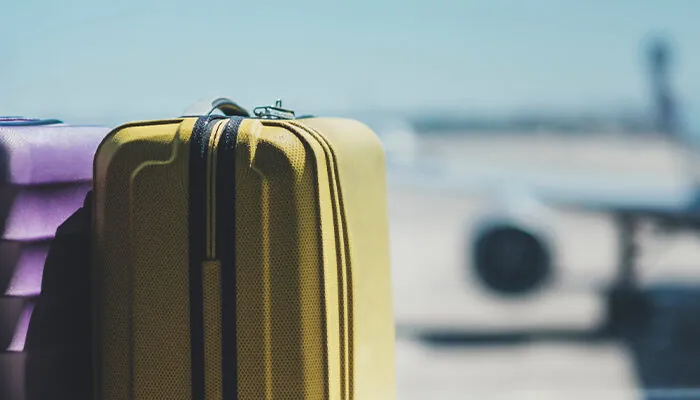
(434, 291)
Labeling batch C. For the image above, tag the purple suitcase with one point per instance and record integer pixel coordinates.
(34, 212)
(45, 172)
(21, 267)
(15, 313)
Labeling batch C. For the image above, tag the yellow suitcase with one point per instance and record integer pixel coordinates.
(242, 256)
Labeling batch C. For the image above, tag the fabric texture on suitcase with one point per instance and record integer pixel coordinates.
(276, 286)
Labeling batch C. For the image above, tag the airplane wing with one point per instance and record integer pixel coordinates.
(407, 166)
(580, 190)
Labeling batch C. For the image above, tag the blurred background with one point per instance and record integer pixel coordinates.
(541, 158)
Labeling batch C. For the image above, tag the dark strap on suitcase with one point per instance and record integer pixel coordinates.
(226, 236)
(225, 244)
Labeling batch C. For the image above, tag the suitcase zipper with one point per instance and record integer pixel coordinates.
(212, 258)
(211, 276)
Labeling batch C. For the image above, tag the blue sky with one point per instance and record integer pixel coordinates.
(95, 60)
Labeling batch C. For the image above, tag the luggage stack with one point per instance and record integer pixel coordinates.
(45, 173)
(231, 255)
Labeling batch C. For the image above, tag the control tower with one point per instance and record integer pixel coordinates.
(664, 109)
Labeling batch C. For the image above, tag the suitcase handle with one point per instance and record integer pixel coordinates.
(223, 104)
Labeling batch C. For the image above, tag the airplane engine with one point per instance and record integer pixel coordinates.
(511, 247)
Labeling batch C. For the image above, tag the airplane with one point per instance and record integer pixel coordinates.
(512, 247)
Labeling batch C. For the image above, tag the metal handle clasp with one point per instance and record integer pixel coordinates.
(274, 112)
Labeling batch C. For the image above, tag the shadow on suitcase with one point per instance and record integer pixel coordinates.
(58, 344)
